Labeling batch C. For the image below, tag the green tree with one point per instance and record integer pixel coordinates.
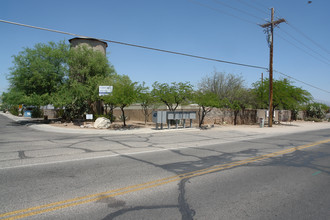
(172, 95)
(125, 93)
(147, 101)
(38, 73)
(239, 102)
(229, 89)
(285, 95)
(86, 63)
(88, 70)
(206, 102)
(73, 97)
(109, 100)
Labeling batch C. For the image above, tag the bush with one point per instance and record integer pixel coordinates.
(294, 114)
(37, 113)
(122, 119)
(111, 118)
(315, 110)
(75, 110)
(59, 113)
(4, 107)
(313, 119)
(14, 110)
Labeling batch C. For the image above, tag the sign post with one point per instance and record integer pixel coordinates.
(103, 90)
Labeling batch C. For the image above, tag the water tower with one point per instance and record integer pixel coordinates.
(96, 44)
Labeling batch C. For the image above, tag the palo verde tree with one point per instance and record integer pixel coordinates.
(109, 100)
(174, 94)
(37, 74)
(125, 93)
(206, 102)
(285, 95)
(240, 102)
(147, 101)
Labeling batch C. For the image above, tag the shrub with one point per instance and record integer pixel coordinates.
(122, 119)
(37, 113)
(14, 110)
(313, 119)
(111, 118)
(59, 113)
(315, 110)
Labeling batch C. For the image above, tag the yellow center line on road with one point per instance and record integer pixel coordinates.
(129, 189)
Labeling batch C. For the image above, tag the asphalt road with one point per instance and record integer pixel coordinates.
(172, 175)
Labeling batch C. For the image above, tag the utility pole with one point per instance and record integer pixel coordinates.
(262, 89)
(270, 28)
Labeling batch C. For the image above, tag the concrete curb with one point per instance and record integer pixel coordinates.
(50, 128)
(289, 128)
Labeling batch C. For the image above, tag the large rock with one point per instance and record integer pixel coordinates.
(102, 123)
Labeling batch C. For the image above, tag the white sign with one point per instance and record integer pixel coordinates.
(89, 116)
(105, 90)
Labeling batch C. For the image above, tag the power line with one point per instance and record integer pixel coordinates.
(222, 12)
(237, 9)
(252, 6)
(305, 51)
(310, 39)
(315, 87)
(261, 4)
(138, 46)
(160, 50)
(311, 49)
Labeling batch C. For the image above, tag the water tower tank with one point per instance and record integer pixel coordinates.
(96, 44)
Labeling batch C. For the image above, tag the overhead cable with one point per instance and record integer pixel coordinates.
(309, 48)
(310, 39)
(221, 12)
(315, 87)
(252, 6)
(160, 50)
(237, 9)
(305, 51)
(139, 46)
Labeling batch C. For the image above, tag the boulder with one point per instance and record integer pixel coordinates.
(102, 123)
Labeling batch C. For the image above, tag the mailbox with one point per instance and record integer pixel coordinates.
(159, 117)
(170, 115)
(178, 115)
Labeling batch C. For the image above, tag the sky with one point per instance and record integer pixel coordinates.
(221, 29)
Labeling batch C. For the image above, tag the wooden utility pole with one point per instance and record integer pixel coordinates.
(271, 26)
(262, 89)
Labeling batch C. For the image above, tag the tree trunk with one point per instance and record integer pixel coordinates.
(203, 116)
(123, 115)
(235, 117)
(145, 115)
